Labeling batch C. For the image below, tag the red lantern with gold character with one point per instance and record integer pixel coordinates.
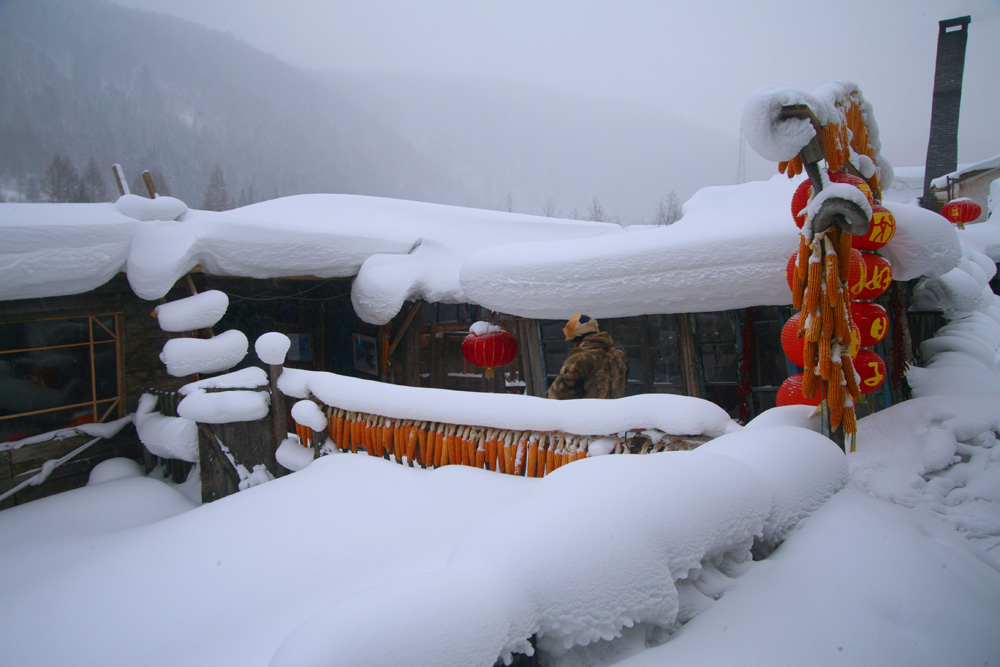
(961, 211)
(790, 393)
(871, 369)
(880, 231)
(872, 321)
(878, 277)
(489, 346)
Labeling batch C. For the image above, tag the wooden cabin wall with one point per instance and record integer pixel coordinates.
(140, 341)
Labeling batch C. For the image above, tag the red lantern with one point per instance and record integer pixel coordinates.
(877, 277)
(880, 232)
(803, 193)
(871, 369)
(791, 343)
(790, 393)
(489, 346)
(856, 278)
(961, 211)
(800, 199)
(872, 321)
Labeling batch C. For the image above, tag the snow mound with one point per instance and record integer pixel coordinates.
(582, 587)
(166, 437)
(186, 356)
(292, 455)
(112, 469)
(201, 311)
(145, 209)
(272, 347)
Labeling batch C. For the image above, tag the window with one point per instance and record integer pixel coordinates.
(58, 373)
(715, 338)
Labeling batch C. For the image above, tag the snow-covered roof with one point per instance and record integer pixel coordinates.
(941, 182)
(728, 250)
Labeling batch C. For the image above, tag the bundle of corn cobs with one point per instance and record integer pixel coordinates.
(820, 290)
(433, 444)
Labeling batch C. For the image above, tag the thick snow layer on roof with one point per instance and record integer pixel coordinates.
(941, 182)
(729, 250)
(58, 249)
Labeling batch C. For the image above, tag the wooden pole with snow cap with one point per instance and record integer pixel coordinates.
(833, 206)
(271, 348)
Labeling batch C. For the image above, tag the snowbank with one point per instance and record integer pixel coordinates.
(166, 437)
(580, 589)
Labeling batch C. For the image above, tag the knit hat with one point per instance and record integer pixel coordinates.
(580, 325)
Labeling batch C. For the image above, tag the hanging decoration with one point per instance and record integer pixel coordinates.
(881, 231)
(877, 277)
(872, 321)
(790, 393)
(961, 210)
(489, 346)
(870, 369)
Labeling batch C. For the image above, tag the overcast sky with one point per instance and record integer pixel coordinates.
(701, 59)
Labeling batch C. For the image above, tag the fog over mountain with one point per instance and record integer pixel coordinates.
(83, 79)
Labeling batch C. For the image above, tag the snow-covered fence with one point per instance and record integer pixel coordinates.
(529, 453)
(507, 433)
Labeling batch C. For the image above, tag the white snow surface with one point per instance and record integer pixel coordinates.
(146, 209)
(166, 437)
(291, 455)
(200, 311)
(602, 559)
(235, 404)
(728, 251)
(186, 356)
(272, 347)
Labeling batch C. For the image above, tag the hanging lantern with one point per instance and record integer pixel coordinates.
(877, 277)
(872, 321)
(961, 211)
(803, 193)
(790, 393)
(489, 346)
(800, 199)
(880, 232)
(856, 278)
(871, 369)
(855, 344)
(790, 341)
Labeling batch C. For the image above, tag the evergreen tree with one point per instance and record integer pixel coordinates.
(217, 193)
(60, 182)
(94, 187)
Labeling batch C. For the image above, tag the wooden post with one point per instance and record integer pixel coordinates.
(120, 181)
(279, 419)
(150, 188)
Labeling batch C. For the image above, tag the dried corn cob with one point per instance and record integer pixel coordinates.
(813, 289)
(825, 366)
(831, 270)
(814, 326)
(850, 377)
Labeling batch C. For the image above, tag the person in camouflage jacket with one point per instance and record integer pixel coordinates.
(594, 367)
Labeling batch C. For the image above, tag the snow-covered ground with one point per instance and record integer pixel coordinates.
(765, 546)
(888, 556)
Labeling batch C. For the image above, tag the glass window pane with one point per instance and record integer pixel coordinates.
(666, 366)
(719, 363)
(633, 355)
(104, 328)
(106, 370)
(553, 330)
(663, 330)
(626, 332)
(44, 333)
(714, 327)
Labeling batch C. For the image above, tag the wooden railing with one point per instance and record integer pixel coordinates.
(432, 444)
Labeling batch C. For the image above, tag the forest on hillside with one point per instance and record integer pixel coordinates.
(87, 85)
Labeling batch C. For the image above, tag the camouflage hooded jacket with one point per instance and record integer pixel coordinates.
(595, 368)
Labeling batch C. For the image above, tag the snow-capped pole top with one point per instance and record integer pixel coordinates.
(143, 208)
(779, 138)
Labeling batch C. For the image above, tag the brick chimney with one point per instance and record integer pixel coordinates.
(942, 147)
